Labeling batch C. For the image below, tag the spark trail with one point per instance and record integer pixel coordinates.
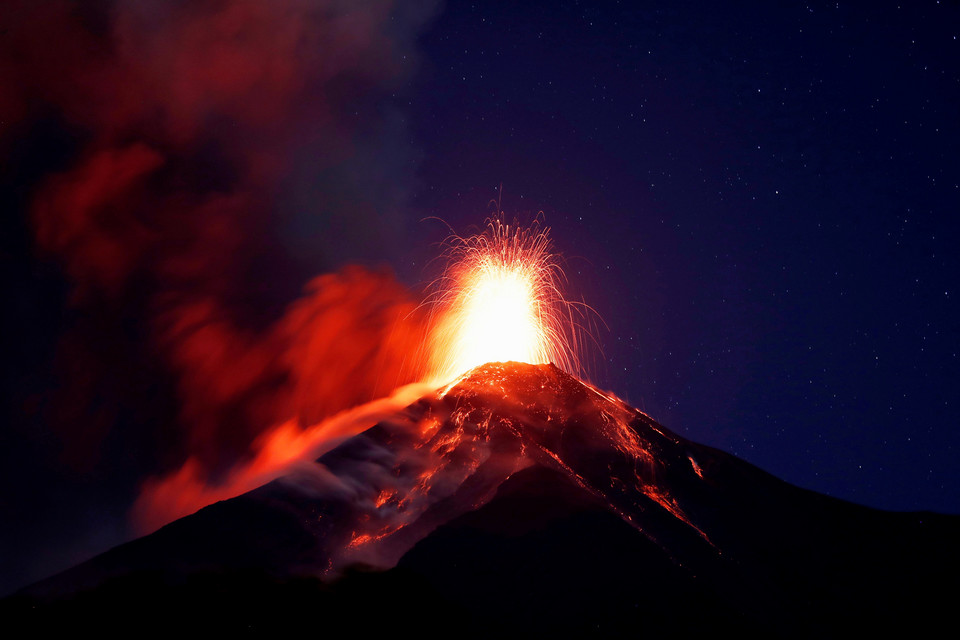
(500, 300)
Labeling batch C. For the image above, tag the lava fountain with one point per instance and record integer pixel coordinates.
(500, 300)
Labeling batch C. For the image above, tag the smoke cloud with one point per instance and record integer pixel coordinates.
(188, 166)
(288, 447)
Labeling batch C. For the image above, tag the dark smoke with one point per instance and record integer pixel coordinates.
(173, 174)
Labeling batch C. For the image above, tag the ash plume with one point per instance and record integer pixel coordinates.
(184, 168)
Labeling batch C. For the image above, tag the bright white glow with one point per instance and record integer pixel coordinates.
(500, 302)
(500, 320)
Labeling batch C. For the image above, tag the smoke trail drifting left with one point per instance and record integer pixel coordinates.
(173, 173)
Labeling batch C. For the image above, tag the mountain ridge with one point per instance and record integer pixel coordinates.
(519, 479)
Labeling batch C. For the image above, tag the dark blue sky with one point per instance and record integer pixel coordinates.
(760, 202)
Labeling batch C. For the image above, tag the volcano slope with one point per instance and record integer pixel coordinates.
(520, 500)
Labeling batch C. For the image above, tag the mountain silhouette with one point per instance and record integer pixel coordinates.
(519, 500)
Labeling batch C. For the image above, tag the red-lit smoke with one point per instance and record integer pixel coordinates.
(189, 165)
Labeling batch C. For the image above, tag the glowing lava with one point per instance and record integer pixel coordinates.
(500, 301)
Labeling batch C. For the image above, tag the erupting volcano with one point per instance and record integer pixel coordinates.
(515, 497)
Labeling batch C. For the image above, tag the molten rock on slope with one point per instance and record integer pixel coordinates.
(521, 498)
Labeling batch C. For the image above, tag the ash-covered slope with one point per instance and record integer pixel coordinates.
(521, 498)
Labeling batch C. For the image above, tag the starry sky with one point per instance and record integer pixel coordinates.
(759, 203)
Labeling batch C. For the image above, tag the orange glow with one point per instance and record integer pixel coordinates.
(279, 449)
(500, 301)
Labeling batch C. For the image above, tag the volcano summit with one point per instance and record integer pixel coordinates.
(520, 499)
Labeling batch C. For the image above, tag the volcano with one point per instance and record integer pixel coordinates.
(519, 500)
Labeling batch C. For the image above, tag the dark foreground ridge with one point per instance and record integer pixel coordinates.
(519, 500)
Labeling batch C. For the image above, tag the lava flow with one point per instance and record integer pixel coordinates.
(449, 452)
(504, 337)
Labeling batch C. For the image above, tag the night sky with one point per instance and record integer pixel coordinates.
(760, 204)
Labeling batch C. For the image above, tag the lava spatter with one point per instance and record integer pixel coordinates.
(501, 300)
